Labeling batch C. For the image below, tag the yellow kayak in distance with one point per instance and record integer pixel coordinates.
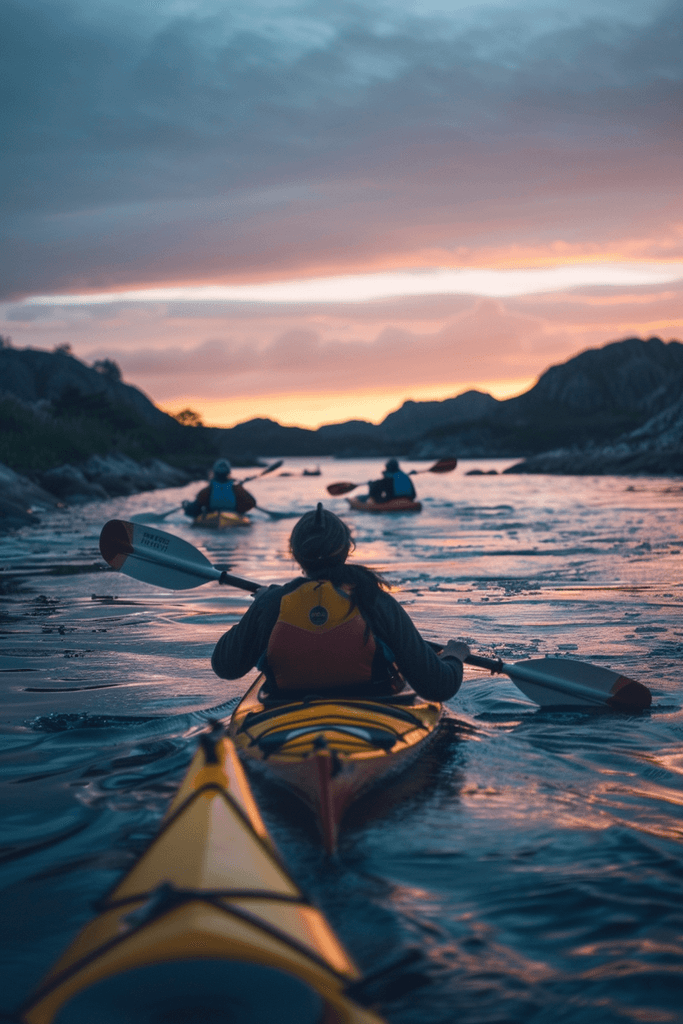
(208, 926)
(220, 520)
(329, 751)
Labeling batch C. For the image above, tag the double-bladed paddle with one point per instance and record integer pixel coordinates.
(442, 466)
(160, 558)
(264, 472)
(154, 517)
(561, 682)
(158, 517)
(164, 560)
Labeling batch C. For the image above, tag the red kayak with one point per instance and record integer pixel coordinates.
(393, 505)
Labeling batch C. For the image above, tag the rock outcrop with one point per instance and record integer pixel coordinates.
(34, 375)
(654, 449)
(21, 500)
(109, 476)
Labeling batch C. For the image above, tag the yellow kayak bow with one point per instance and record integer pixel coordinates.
(208, 926)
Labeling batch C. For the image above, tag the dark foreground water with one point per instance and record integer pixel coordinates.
(535, 859)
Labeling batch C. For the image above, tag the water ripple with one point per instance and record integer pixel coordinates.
(533, 859)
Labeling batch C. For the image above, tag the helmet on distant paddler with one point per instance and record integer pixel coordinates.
(221, 469)
(320, 541)
(391, 466)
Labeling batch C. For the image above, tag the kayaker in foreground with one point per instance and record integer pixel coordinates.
(393, 484)
(222, 494)
(335, 628)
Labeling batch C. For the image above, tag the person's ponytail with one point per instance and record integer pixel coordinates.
(365, 584)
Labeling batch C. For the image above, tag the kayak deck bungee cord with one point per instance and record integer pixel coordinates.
(329, 750)
(207, 926)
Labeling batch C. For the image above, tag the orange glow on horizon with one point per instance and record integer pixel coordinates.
(311, 410)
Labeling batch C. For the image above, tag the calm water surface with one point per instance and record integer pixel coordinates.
(534, 859)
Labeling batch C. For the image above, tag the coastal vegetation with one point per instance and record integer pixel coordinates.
(56, 410)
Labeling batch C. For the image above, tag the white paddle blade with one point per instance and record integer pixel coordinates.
(154, 556)
(560, 682)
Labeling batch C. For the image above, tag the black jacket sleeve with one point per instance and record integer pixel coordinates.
(194, 508)
(432, 677)
(238, 650)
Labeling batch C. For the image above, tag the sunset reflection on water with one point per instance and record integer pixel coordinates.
(533, 857)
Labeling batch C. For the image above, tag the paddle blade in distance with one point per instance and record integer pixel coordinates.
(264, 472)
(341, 488)
(154, 556)
(443, 466)
(152, 517)
(560, 682)
(277, 515)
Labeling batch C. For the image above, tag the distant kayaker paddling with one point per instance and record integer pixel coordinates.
(335, 628)
(394, 492)
(222, 494)
(394, 483)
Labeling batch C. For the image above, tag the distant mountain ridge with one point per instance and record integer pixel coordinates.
(414, 417)
(593, 399)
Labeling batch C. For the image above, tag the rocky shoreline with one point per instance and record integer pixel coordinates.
(655, 449)
(99, 477)
(615, 460)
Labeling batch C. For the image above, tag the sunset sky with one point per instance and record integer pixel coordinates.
(313, 211)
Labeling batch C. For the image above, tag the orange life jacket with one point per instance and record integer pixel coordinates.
(321, 642)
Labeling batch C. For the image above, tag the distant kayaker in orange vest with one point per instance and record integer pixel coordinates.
(394, 484)
(221, 494)
(335, 628)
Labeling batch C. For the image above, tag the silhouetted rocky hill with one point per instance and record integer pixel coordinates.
(636, 384)
(34, 375)
(592, 399)
(623, 378)
(80, 433)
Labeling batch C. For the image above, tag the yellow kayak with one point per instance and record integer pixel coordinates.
(208, 926)
(220, 520)
(330, 750)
